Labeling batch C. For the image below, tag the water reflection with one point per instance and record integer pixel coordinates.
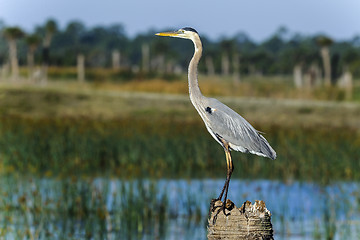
(168, 209)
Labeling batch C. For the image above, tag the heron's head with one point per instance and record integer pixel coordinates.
(186, 32)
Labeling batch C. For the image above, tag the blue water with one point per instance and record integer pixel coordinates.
(299, 210)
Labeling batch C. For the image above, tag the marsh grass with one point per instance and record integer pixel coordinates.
(56, 141)
(276, 87)
(77, 130)
(106, 208)
(80, 208)
(273, 86)
(129, 148)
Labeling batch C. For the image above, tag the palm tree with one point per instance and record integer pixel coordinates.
(160, 47)
(33, 42)
(12, 34)
(116, 56)
(324, 43)
(81, 67)
(210, 65)
(236, 67)
(145, 55)
(230, 50)
(50, 28)
(226, 47)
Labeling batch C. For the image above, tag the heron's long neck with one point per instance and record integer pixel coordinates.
(194, 89)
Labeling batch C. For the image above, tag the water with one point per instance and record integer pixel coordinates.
(101, 208)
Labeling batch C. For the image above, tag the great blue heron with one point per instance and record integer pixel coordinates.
(227, 127)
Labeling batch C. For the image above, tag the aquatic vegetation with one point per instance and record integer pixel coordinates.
(105, 208)
(131, 147)
(81, 208)
(82, 177)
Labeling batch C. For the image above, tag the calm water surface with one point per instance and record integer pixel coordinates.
(169, 209)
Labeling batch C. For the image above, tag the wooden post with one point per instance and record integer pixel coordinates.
(236, 68)
(325, 55)
(116, 59)
(145, 55)
(225, 64)
(298, 77)
(346, 83)
(13, 60)
(81, 67)
(5, 68)
(210, 66)
(250, 222)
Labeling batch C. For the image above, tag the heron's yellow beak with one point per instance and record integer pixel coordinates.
(168, 34)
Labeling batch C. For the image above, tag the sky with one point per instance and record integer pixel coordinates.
(339, 19)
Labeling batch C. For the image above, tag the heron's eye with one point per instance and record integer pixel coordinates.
(208, 109)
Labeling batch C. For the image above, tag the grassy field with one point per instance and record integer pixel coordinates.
(93, 129)
(163, 99)
(87, 160)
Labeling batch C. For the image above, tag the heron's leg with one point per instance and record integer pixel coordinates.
(230, 168)
(213, 201)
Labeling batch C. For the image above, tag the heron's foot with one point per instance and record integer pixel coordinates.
(229, 205)
(215, 203)
(221, 209)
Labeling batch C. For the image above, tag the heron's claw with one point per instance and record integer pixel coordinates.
(221, 208)
(213, 206)
(229, 205)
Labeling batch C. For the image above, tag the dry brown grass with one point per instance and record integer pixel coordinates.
(255, 87)
(212, 86)
(160, 99)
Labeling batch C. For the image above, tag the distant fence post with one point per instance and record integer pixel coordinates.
(250, 222)
(81, 67)
(145, 54)
(116, 59)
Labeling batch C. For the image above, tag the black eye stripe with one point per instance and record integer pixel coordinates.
(190, 29)
(208, 109)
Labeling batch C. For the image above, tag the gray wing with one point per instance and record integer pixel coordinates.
(229, 125)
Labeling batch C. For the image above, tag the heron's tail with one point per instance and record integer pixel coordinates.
(266, 149)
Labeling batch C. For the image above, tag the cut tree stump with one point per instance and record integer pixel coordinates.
(250, 221)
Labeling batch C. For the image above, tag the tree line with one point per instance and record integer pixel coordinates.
(282, 53)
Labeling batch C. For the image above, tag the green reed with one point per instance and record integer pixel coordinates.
(133, 147)
(80, 208)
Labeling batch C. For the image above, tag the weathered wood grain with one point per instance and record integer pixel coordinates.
(250, 221)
